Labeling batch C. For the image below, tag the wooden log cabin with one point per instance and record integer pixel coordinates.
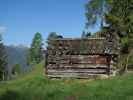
(80, 58)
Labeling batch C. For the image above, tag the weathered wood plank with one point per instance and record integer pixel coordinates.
(76, 71)
(82, 76)
(89, 72)
(74, 66)
(78, 59)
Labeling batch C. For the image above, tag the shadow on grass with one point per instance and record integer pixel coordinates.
(10, 95)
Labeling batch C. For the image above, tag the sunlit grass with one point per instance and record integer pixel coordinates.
(36, 86)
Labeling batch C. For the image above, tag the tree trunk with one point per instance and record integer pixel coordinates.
(128, 57)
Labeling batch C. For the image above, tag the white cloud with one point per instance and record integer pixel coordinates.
(2, 29)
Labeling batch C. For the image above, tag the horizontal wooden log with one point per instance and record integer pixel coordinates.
(78, 59)
(75, 66)
(76, 71)
(82, 76)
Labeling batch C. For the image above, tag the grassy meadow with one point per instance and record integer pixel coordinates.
(35, 86)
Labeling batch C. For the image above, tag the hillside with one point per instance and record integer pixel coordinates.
(16, 55)
(35, 86)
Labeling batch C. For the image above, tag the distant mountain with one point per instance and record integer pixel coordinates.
(16, 54)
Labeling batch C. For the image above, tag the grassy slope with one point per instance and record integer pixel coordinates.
(35, 86)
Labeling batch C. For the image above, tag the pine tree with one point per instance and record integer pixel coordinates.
(35, 54)
(3, 63)
(88, 34)
(53, 35)
(83, 35)
(16, 69)
(120, 18)
(95, 10)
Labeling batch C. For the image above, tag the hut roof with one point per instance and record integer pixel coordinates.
(83, 46)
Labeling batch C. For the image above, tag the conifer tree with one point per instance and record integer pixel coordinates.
(83, 35)
(3, 63)
(35, 54)
(95, 10)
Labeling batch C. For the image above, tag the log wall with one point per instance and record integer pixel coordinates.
(78, 66)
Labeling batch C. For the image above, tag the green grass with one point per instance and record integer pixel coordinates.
(35, 86)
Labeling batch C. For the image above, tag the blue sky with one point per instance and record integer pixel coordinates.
(21, 19)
